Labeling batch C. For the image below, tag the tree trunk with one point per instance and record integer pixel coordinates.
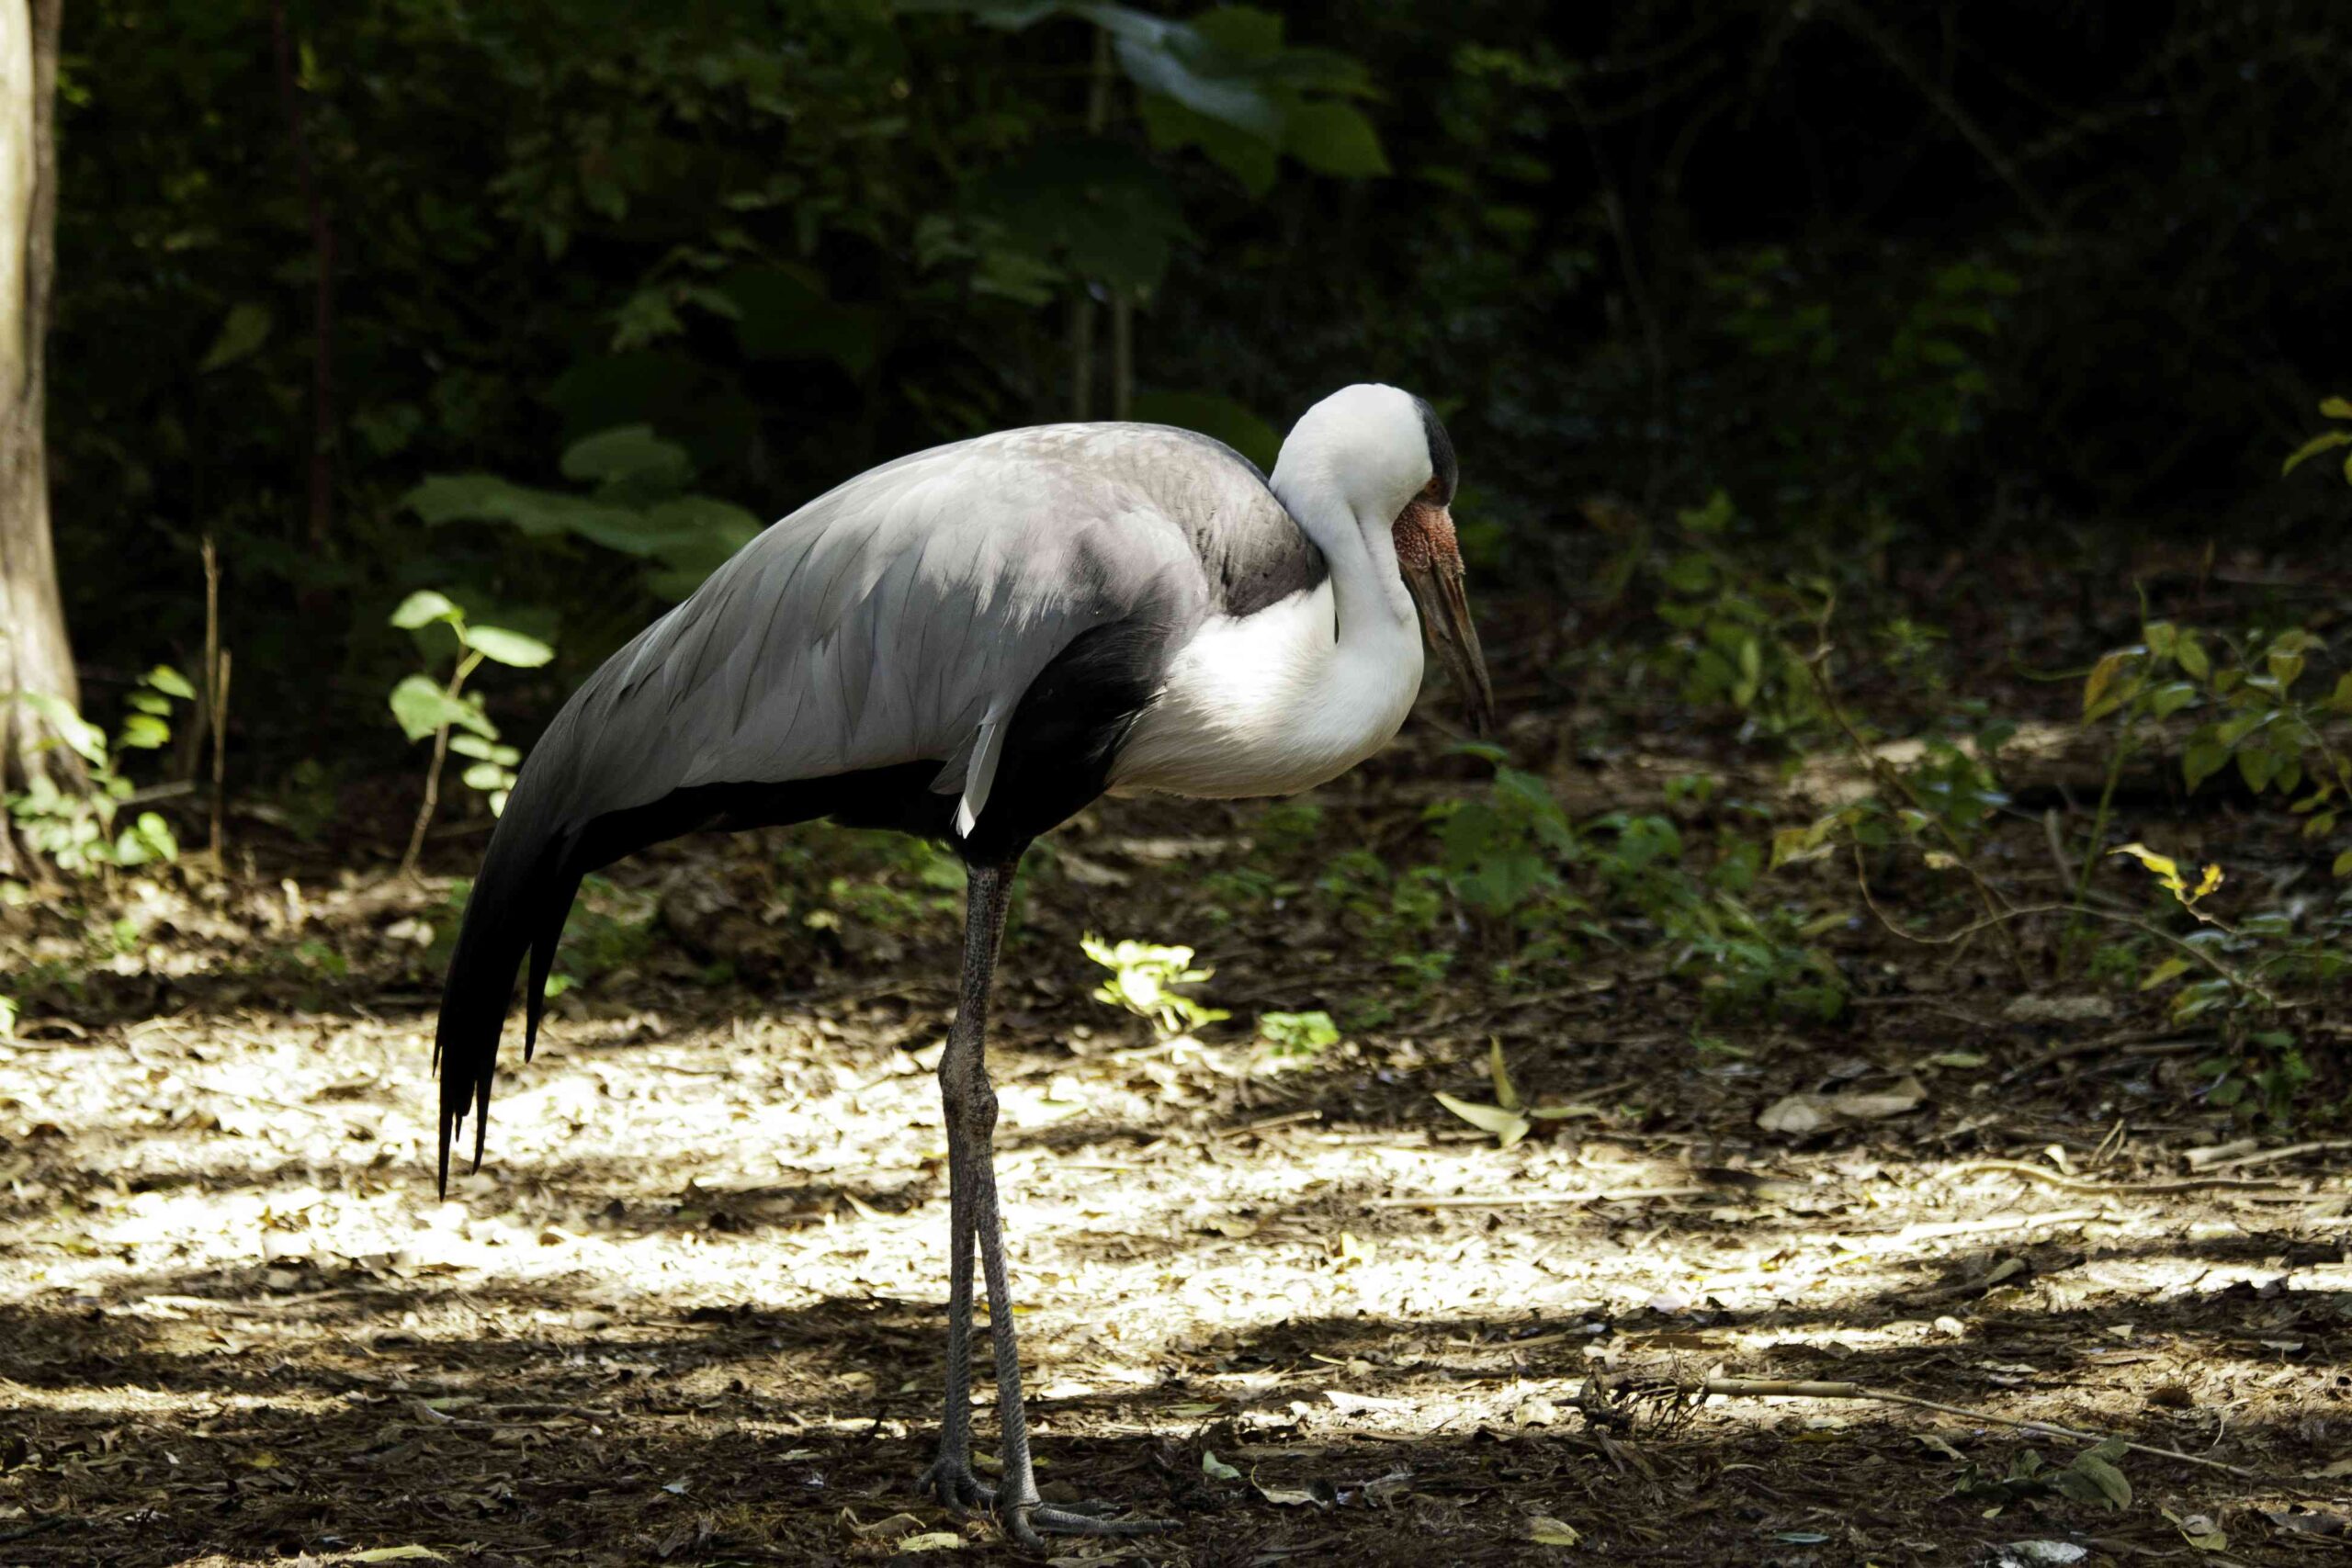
(34, 653)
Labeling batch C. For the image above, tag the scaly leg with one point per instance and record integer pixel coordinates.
(970, 1103)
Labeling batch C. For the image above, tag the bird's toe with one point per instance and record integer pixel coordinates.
(1028, 1527)
(951, 1483)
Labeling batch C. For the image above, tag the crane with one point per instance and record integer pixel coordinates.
(971, 644)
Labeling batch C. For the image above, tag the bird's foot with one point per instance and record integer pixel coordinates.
(951, 1483)
(1029, 1523)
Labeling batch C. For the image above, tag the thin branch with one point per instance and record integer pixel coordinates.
(2000, 917)
(1766, 1388)
(1995, 908)
(2120, 1188)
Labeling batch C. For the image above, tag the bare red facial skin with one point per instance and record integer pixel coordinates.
(1424, 538)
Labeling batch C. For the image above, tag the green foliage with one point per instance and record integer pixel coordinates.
(639, 507)
(833, 878)
(1296, 1035)
(2326, 440)
(1893, 375)
(1500, 850)
(82, 833)
(1144, 977)
(428, 705)
(2253, 711)
(1735, 636)
(2093, 1476)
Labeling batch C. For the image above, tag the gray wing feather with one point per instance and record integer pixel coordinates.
(890, 619)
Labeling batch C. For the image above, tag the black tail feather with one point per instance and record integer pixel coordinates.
(519, 902)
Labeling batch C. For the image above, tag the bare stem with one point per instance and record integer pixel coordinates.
(433, 776)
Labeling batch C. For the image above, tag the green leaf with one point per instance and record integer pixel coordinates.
(2202, 758)
(2100, 693)
(422, 707)
(423, 608)
(628, 458)
(246, 329)
(87, 739)
(1334, 139)
(2192, 656)
(2342, 866)
(2337, 408)
(171, 683)
(2094, 1478)
(489, 750)
(144, 732)
(2326, 441)
(1148, 55)
(539, 514)
(487, 776)
(2170, 969)
(508, 648)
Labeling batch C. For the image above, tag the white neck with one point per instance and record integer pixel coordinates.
(1297, 693)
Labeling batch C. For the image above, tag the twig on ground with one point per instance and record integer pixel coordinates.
(1755, 1388)
(2289, 1151)
(1535, 1199)
(2122, 1189)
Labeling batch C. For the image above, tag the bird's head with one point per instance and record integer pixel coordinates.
(1383, 453)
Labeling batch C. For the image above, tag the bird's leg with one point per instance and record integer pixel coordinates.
(950, 1477)
(969, 1101)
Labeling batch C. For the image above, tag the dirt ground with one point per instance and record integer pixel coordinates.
(691, 1309)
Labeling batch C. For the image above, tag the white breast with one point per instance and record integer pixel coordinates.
(1273, 703)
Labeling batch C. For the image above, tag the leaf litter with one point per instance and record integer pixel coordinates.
(690, 1310)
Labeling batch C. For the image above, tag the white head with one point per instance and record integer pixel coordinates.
(1369, 473)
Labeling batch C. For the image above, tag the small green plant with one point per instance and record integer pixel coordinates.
(78, 833)
(2326, 440)
(2250, 717)
(2092, 1476)
(1144, 977)
(426, 704)
(1296, 1035)
(1732, 648)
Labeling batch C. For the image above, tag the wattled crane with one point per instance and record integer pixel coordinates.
(971, 644)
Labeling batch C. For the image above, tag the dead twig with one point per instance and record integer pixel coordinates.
(2289, 1151)
(2120, 1189)
(1766, 1388)
(1535, 1199)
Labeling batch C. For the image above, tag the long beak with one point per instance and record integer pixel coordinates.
(1445, 616)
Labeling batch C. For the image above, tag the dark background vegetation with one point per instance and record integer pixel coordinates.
(1903, 281)
(1901, 933)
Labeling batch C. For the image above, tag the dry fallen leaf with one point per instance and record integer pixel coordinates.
(1544, 1530)
(1797, 1116)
